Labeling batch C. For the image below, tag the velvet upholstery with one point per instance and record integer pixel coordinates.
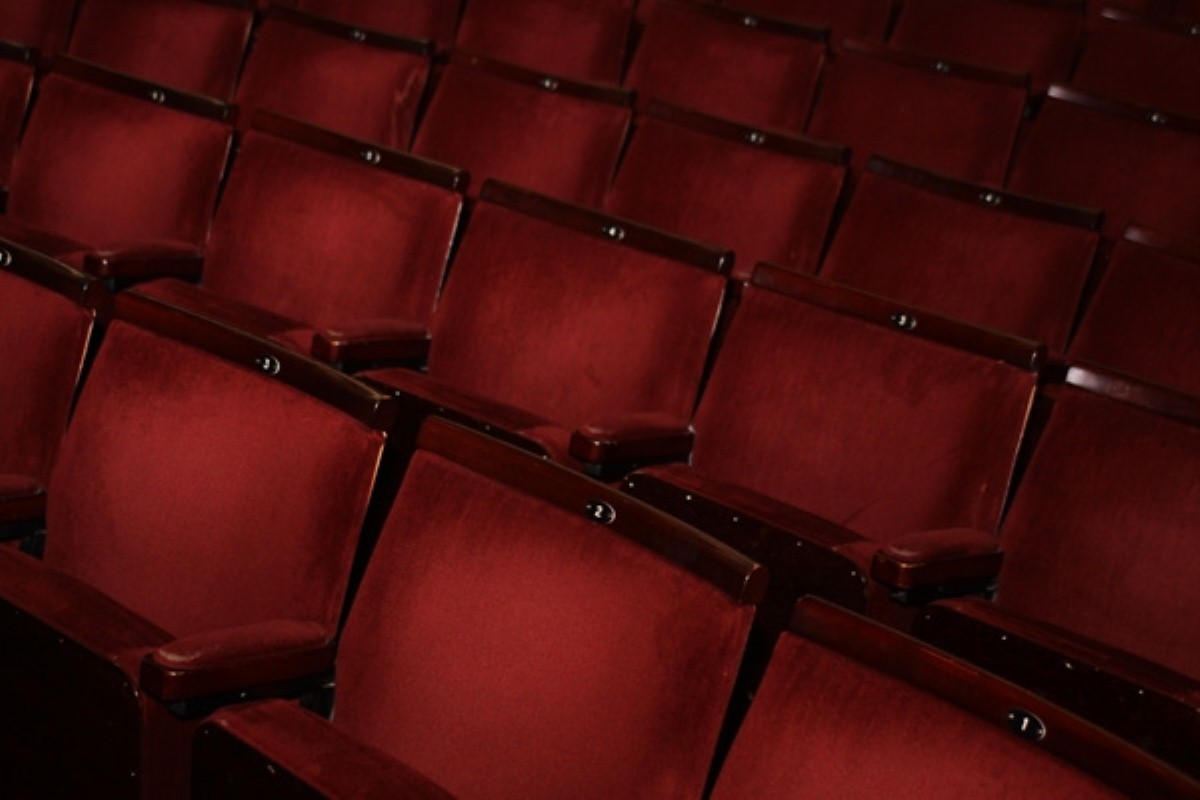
(435, 20)
(710, 59)
(1142, 320)
(964, 250)
(869, 18)
(765, 195)
(44, 24)
(520, 126)
(321, 239)
(367, 85)
(1138, 166)
(16, 90)
(192, 45)
(582, 39)
(1035, 37)
(1142, 60)
(192, 497)
(101, 169)
(943, 116)
(618, 330)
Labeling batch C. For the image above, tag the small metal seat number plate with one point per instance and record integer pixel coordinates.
(599, 511)
(1026, 725)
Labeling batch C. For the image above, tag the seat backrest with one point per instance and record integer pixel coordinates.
(16, 90)
(863, 411)
(1038, 37)
(107, 159)
(546, 133)
(43, 24)
(581, 39)
(1141, 319)
(360, 82)
(866, 18)
(1111, 491)
(574, 315)
(435, 20)
(768, 195)
(193, 45)
(46, 320)
(850, 708)
(209, 479)
(942, 115)
(966, 250)
(712, 59)
(1145, 60)
(1137, 165)
(325, 229)
(525, 632)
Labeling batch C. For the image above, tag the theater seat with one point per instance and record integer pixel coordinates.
(193, 45)
(547, 133)
(1142, 320)
(364, 83)
(318, 231)
(115, 175)
(435, 20)
(47, 313)
(201, 518)
(965, 250)
(852, 709)
(521, 632)
(555, 316)
(1092, 605)
(16, 90)
(768, 195)
(43, 25)
(835, 424)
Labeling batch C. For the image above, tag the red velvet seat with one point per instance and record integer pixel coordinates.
(116, 175)
(435, 20)
(521, 632)
(47, 312)
(1137, 165)
(1094, 603)
(555, 315)
(580, 39)
(16, 90)
(1035, 36)
(363, 83)
(766, 194)
(42, 24)
(721, 61)
(193, 45)
(946, 116)
(317, 231)
(201, 518)
(547, 133)
(1144, 60)
(968, 251)
(852, 709)
(837, 423)
(867, 18)
(1142, 319)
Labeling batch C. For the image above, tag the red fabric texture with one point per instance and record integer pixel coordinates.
(186, 44)
(883, 433)
(1135, 170)
(333, 81)
(417, 19)
(202, 495)
(1024, 37)
(724, 68)
(825, 725)
(16, 88)
(497, 128)
(43, 336)
(949, 123)
(571, 327)
(582, 39)
(45, 24)
(1142, 64)
(963, 259)
(538, 657)
(102, 167)
(1142, 318)
(868, 18)
(1101, 536)
(764, 205)
(317, 241)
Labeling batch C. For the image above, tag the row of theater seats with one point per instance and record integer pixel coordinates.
(523, 630)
